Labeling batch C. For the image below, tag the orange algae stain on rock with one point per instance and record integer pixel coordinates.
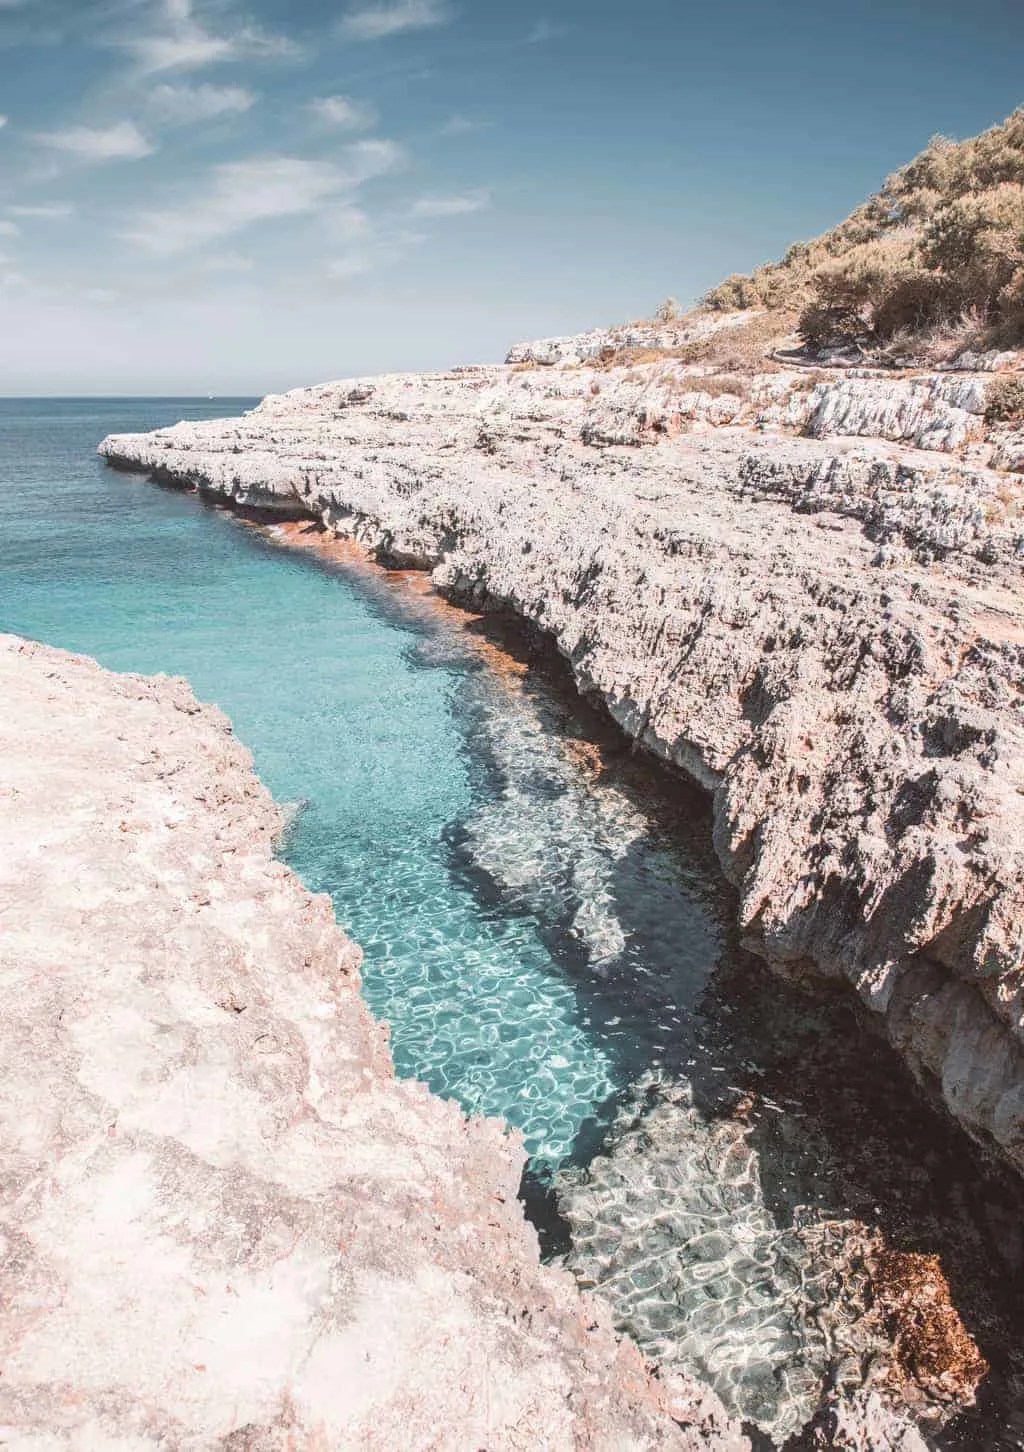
(310, 536)
(932, 1345)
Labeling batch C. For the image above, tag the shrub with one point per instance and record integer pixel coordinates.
(717, 384)
(741, 349)
(944, 236)
(1005, 399)
(732, 295)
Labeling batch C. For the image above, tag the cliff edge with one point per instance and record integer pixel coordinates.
(225, 1222)
(802, 588)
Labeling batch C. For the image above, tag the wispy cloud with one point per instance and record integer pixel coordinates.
(453, 206)
(44, 211)
(238, 194)
(3, 122)
(242, 193)
(343, 112)
(373, 157)
(373, 22)
(462, 125)
(123, 141)
(183, 105)
(9, 229)
(180, 42)
(387, 247)
(346, 224)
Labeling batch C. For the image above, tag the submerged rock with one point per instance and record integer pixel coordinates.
(225, 1222)
(792, 1320)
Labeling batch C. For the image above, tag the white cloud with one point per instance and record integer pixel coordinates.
(261, 189)
(182, 105)
(44, 211)
(3, 122)
(456, 206)
(462, 125)
(373, 22)
(189, 50)
(373, 157)
(184, 44)
(9, 229)
(121, 142)
(343, 112)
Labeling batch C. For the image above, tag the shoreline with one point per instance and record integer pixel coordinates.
(920, 1311)
(188, 1093)
(489, 547)
(388, 581)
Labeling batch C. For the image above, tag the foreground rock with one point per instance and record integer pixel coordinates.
(828, 634)
(225, 1223)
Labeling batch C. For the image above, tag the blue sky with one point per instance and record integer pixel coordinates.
(247, 195)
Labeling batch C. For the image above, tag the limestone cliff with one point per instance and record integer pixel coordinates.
(225, 1223)
(826, 631)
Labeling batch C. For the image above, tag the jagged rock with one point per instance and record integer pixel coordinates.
(579, 348)
(942, 412)
(828, 635)
(865, 1423)
(225, 1223)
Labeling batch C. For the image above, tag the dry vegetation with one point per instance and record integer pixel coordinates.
(717, 385)
(1005, 400)
(932, 263)
(742, 350)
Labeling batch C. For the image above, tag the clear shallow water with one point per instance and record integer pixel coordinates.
(426, 785)
(548, 943)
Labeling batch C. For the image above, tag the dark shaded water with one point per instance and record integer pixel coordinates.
(546, 931)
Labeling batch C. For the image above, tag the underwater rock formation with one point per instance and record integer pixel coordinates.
(827, 633)
(226, 1223)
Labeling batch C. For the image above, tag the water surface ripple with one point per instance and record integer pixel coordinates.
(544, 926)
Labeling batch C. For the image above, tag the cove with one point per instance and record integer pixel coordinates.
(544, 927)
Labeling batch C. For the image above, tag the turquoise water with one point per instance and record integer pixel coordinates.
(548, 944)
(461, 847)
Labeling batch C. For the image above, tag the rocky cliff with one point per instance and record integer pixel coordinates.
(802, 588)
(225, 1223)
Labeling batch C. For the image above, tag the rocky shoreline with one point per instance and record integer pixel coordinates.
(227, 1223)
(808, 598)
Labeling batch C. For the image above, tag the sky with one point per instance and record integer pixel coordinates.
(242, 196)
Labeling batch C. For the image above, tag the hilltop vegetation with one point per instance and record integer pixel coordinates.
(933, 260)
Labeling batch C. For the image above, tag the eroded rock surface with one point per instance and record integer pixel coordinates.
(225, 1223)
(827, 633)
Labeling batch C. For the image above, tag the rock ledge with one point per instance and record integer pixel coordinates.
(225, 1222)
